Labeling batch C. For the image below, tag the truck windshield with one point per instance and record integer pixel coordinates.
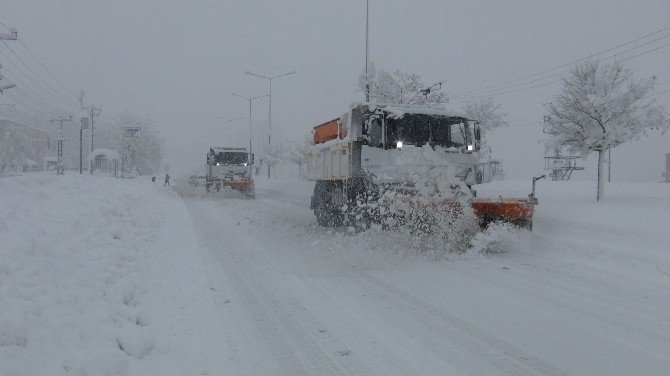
(419, 129)
(230, 158)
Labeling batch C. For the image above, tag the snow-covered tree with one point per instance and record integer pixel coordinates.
(295, 151)
(400, 87)
(138, 144)
(601, 106)
(485, 112)
(15, 147)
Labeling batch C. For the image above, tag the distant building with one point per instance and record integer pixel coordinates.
(22, 147)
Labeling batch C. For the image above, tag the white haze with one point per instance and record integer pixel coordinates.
(178, 62)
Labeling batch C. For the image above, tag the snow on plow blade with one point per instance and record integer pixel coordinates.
(245, 186)
(518, 211)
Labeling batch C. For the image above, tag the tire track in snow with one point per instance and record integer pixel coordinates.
(294, 348)
(602, 321)
(619, 314)
(568, 328)
(503, 355)
(340, 317)
(283, 354)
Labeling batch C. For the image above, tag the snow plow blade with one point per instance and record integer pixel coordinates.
(244, 186)
(518, 211)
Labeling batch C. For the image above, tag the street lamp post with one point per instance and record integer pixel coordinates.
(270, 105)
(250, 126)
(83, 125)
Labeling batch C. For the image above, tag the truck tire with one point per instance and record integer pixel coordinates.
(250, 192)
(328, 213)
(362, 205)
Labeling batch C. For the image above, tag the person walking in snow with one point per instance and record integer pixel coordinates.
(167, 180)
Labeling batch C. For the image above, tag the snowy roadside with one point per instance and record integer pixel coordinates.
(102, 276)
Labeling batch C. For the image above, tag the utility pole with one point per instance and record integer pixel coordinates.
(367, 43)
(12, 35)
(83, 125)
(5, 87)
(60, 119)
(93, 112)
(269, 78)
(250, 123)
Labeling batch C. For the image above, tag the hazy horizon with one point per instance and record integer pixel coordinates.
(178, 63)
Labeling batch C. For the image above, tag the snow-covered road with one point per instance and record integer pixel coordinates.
(297, 299)
(125, 277)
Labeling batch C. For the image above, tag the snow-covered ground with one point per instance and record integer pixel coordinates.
(98, 277)
(125, 277)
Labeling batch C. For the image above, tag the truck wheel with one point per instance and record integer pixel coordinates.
(363, 202)
(327, 212)
(526, 224)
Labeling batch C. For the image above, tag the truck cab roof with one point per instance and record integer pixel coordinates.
(400, 109)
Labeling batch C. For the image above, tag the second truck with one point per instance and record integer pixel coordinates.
(229, 167)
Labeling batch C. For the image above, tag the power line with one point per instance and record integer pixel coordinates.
(20, 90)
(15, 99)
(497, 92)
(59, 94)
(27, 87)
(45, 68)
(525, 79)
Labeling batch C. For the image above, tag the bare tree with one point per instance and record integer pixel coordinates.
(485, 112)
(400, 88)
(601, 107)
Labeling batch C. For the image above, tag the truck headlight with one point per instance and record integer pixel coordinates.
(398, 145)
(471, 147)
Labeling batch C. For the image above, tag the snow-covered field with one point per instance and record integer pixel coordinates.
(98, 277)
(104, 276)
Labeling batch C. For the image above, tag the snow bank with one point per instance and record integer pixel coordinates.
(98, 276)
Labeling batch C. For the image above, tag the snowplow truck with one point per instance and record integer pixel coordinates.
(229, 167)
(376, 148)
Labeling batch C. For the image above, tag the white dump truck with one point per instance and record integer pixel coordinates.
(229, 167)
(375, 148)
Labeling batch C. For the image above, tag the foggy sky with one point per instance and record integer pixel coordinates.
(178, 62)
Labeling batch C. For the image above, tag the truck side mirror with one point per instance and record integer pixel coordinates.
(251, 159)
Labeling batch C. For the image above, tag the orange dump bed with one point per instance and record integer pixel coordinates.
(328, 131)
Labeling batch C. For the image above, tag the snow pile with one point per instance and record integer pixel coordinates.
(438, 215)
(500, 237)
(97, 276)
